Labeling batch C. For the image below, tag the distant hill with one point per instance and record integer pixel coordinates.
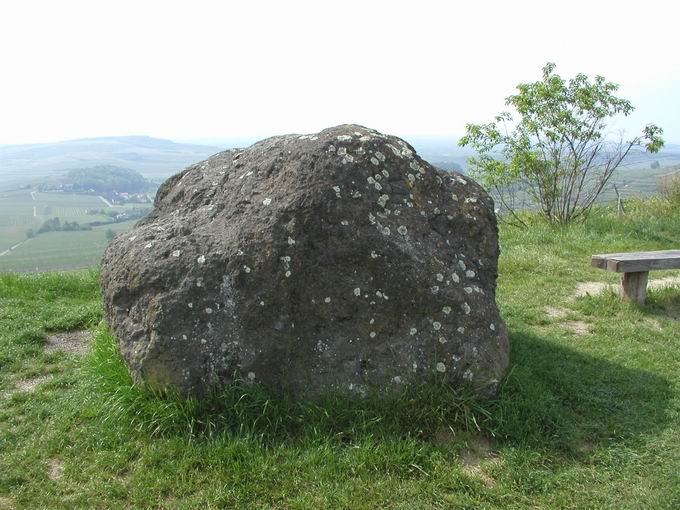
(99, 179)
(154, 158)
(157, 159)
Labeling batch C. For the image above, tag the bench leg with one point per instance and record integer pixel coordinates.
(634, 287)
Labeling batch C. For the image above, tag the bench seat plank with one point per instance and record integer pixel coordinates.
(638, 261)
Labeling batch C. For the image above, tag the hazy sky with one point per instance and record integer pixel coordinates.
(208, 69)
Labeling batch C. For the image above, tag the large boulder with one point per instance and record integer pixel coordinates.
(315, 263)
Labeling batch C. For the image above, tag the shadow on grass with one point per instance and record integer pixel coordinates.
(560, 398)
(555, 398)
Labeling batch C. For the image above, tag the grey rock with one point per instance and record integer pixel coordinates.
(314, 263)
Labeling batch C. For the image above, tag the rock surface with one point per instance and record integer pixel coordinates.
(314, 263)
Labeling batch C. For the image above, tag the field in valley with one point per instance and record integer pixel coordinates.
(24, 209)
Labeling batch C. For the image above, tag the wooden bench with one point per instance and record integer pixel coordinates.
(635, 268)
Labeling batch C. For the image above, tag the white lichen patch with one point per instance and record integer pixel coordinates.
(468, 290)
(208, 310)
(455, 277)
(413, 331)
(434, 289)
(246, 269)
(441, 367)
(446, 310)
(436, 325)
(291, 241)
(440, 277)
(201, 259)
(402, 230)
(267, 201)
(442, 340)
(469, 273)
(374, 255)
(327, 299)
(190, 305)
(375, 161)
(344, 138)
(148, 245)
(288, 273)
(337, 191)
(176, 253)
(466, 308)
(394, 150)
(380, 156)
(344, 223)
(492, 327)
(468, 375)
(372, 334)
(382, 201)
(460, 329)
(251, 376)
(461, 264)
(357, 291)
(386, 231)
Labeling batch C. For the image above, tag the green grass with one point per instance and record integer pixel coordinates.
(582, 421)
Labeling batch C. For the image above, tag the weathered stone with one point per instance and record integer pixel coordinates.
(315, 263)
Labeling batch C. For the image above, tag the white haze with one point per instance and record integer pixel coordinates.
(215, 70)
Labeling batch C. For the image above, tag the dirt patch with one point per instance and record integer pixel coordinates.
(662, 283)
(556, 313)
(477, 450)
(55, 469)
(30, 385)
(653, 324)
(591, 288)
(595, 288)
(6, 504)
(577, 327)
(74, 342)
